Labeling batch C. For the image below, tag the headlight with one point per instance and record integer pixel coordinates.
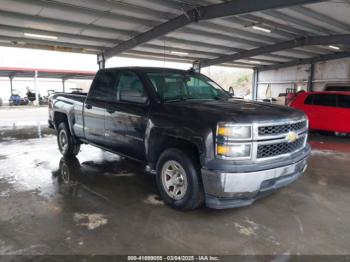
(230, 141)
(234, 132)
(234, 151)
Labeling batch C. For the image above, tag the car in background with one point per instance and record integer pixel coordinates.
(16, 100)
(327, 111)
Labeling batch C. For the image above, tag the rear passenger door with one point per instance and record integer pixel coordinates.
(102, 90)
(324, 111)
(342, 118)
(126, 118)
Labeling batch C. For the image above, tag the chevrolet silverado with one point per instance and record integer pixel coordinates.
(203, 145)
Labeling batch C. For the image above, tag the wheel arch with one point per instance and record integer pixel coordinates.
(158, 142)
(60, 117)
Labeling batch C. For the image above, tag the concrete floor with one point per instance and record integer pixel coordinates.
(101, 204)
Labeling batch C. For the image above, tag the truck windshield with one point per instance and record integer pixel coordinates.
(173, 87)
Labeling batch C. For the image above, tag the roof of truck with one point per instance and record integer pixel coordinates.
(146, 68)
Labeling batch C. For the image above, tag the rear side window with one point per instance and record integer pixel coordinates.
(105, 86)
(130, 88)
(309, 100)
(344, 101)
(325, 100)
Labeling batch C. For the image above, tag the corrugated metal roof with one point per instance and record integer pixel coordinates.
(94, 25)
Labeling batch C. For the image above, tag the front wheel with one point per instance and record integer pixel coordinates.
(178, 180)
(66, 144)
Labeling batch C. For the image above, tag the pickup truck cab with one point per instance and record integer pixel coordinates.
(204, 146)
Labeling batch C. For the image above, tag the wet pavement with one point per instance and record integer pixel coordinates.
(99, 203)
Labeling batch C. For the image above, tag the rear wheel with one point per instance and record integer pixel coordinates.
(66, 144)
(178, 180)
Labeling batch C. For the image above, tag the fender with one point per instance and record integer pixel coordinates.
(67, 108)
(156, 137)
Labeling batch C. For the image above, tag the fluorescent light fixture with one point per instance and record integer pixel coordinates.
(40, 36)
(178, 53)
(334, 47)
(254, 62)
(261, 29)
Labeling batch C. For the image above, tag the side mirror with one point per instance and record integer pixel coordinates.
(231, 91)
(132, 96)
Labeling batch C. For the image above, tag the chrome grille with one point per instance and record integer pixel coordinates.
(281, 129)
(276, 149)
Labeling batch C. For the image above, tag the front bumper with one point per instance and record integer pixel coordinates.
(228, 190)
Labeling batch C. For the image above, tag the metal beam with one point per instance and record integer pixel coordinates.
(306, 61)
(165, 50)
(314, 40)
(200, 45)
(203, 13)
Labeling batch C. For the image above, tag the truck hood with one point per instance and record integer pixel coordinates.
(233, 110)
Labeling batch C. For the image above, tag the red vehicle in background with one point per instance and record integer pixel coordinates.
(328, 111)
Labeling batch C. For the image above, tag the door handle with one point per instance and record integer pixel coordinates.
(88, 106)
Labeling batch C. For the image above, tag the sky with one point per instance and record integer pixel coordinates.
(43, 59)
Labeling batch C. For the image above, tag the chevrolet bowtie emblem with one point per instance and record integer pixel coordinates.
(292, 136)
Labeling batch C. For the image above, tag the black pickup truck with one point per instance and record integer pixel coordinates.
(203, 145)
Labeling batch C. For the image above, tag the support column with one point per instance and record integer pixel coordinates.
(63, 85)
(255, 84)
(310, 83)
(101, 61)
(36, 87)
(11, 83)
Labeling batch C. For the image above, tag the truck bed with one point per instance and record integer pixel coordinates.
(64, 96)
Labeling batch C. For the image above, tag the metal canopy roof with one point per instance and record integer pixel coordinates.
(277, 33)
(12, 72)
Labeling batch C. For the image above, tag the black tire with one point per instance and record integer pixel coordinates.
(68, 148)
(193, 195)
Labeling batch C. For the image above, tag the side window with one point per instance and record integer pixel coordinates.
(199, 88)
(325, 100)
(130, 88)
(105, 86)
(344, 101)
(309, 100)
